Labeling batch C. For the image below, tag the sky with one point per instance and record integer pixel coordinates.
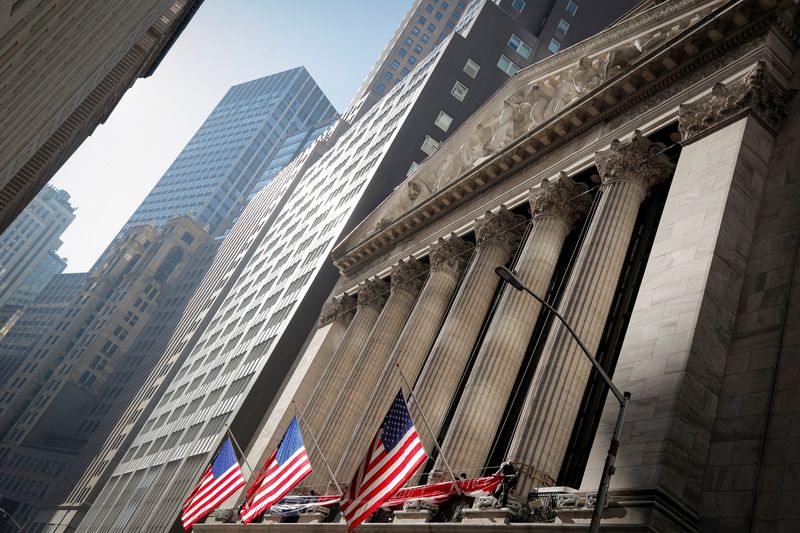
(227, 42)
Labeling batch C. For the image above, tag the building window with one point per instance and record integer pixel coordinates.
(413, 168)
(430, 145)
(402, 52)
(387, 76)
(518, 5)
(422, 20)
(471, 68)
(380, 87)
(412, 60)
(404, 72)
(520, 46)
(507, 66)
(424, 38)
(438, 15)
(429, 8)
(395, 64)
(444, 6)
(408, 41)
(554, 46)
(418, 49)
(572, 7)
(415, 30)
(431, 27)
(459, 91)
(443, 121)
(563, 26)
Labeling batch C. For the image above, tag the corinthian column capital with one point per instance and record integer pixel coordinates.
(503, 229)
(561, 198)
(757, 92)
(373, 293)
(337, 309)
(408, 275)
(450, 255)
(636, 160)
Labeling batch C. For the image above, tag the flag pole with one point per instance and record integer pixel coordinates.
(311, 434)
(433, 437)
(235, 443)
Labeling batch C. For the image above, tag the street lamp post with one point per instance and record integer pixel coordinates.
(623, 398)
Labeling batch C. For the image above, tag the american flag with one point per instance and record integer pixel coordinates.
(394, 455)
(285, 468)
(220, 480)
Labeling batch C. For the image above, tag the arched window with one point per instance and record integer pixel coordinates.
(168, 266)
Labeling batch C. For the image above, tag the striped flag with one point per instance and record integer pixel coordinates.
(285, 468)
(220, 480)
(394, 455)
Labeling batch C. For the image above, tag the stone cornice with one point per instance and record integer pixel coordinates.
(652, 71)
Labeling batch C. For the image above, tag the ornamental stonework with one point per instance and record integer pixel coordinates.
(373, 293)
(337, 309)
(636, 159)
(503, 229)
(561, 198)
(450, 255)
(757, 92)
(409, 275)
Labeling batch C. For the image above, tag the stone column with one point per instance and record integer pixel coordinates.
(310, 370)
(342, 412)
(498, 236)
(628, 170)
(371, 298)
(448, 258)
(556, 206)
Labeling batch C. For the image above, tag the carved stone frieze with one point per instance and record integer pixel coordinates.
(757, 92)
(636, 159)
(450, 255)
(341, 308)
(503, 229)
(562, 198)
(409, 275)
(373, 293)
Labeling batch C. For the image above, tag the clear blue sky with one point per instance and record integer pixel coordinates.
(227, 42)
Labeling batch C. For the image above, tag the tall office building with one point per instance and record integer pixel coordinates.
(26, 247)
(259, 317)
(84, 360)
(64, 65)
(652, 199)
(213, 175)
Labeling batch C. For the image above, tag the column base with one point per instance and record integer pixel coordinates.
(413, 517)
(311, 518)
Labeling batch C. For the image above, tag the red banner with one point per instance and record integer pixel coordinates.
(439, 492)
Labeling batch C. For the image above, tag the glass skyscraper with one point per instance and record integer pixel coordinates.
(214, 174)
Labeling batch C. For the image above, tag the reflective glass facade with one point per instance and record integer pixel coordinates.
(220, 165)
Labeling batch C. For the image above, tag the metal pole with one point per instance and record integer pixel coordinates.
(608, 468)
(311, 434)
(235, 443)
(435, 441)
(3, 511)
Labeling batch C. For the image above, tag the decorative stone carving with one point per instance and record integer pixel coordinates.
(341, 308)
(563, 93)
(588, 75)
(561, 198)
(757, 92)
(409, 275)
(540, 99)
(503, 229)
(514, 118)
(373, 293)
(636, 159)
(450, 255)
(479, 145)
(416, 186)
